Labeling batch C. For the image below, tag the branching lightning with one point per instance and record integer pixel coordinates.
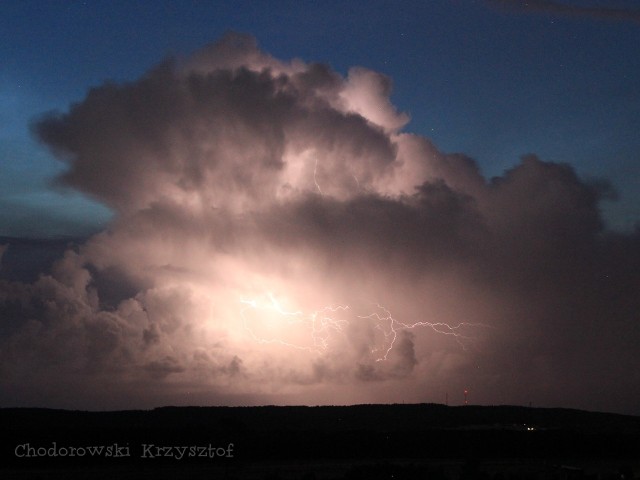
(390, 327)
(322, 324)
(315, 180)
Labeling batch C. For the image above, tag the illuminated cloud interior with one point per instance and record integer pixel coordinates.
(278, 238)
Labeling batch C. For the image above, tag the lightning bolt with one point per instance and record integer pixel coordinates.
(326, 321)
(315, 171)
(390, 327)
(319, 322)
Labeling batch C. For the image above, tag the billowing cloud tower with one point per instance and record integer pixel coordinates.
(278, 238)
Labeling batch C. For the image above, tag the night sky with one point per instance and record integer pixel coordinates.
(319, 203)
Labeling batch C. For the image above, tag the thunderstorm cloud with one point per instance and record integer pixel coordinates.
(278, 238)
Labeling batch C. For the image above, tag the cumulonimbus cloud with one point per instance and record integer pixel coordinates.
(279, 238)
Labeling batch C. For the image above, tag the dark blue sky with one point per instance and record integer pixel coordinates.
(476, 78)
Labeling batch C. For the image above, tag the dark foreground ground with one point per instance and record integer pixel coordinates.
(360, 442)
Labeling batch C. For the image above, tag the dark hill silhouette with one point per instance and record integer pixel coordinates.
(357, 436)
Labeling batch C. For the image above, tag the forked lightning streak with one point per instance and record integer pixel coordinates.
(322, 324)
